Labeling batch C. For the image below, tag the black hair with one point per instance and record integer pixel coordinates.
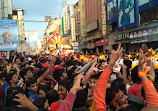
(100, 62)
(96, 76)
(128, 63)
(65, 83)
(38, 65)
(24, 71)
(52, 96)
(13, 89)
(110, 95)
(57, 74)
(70, 72)
(44, 88)
(11, 95)
(9, 77)
(40, 72)
(30, 81)
(3, 74)
(58, 61)
(39, 102)
(134, 75)
(119, 83)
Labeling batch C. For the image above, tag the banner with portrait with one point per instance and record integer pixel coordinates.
(128, 13)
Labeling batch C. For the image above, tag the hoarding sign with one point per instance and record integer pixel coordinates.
(128, 13)
(8, 34)
(103, 21)
(112, 9)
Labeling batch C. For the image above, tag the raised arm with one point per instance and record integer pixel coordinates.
(46, 73)
(151, 94)
(67, 104)
(100, 89)
(149, 62)
(90, 72)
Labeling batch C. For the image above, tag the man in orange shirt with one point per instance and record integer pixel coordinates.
(118, 101)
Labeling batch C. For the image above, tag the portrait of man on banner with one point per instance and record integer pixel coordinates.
(126, 12)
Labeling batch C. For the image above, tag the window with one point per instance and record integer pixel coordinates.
(149, 15)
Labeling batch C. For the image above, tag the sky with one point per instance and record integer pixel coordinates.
(36, 10)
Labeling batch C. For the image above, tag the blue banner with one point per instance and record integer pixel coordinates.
(128, 13)
(8, 34)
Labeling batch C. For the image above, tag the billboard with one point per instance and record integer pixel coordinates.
(112, 9)
(73, 33)
(128, 13)
(8, 34)
(31, 35)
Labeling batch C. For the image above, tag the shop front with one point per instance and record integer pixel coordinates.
(91, 48)
(83, 47)
(100, 45)
(148, 36)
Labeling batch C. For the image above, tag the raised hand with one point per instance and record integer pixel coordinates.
(142, 61)
(146, 51)
(116, 54)
(76, 85)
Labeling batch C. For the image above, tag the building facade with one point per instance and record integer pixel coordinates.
(142, 26)
(75, 27)
(95, 25)
(6, 9)
(18, 14)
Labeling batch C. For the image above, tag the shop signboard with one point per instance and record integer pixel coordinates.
(149, 34)
(122, 36)
(74, 44)
(8, 34)
(103, 21)
(128, 13)
(73, 33)
(101, 42)
(90, 46)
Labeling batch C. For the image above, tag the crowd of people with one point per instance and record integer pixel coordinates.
(113, 81)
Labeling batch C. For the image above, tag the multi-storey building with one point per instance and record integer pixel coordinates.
(18, 14)
(94, 39)
(6, 9)
(140, 25)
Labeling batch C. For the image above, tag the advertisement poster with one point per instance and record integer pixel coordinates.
(112, 9)
(8, 34)
(128, 13)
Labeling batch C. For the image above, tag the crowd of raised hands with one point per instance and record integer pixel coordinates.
(68, 83)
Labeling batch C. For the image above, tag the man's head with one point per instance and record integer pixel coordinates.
(59, 74)
(93, 80)
(3, 76)
(126, 57)
(115, 98)
(18, 61)
(26, 73)
(134, 75)
(89, 98)
(32, 85)
(12, 78)
(102, 65)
